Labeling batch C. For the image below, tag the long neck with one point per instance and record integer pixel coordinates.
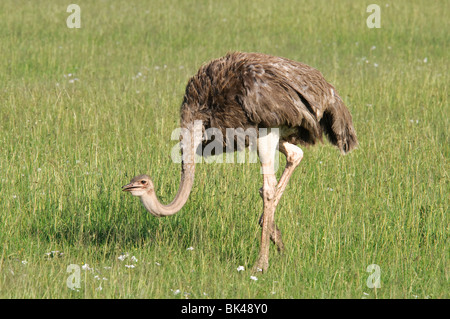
(189, 144)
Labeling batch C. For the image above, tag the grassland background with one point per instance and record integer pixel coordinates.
(68, 143)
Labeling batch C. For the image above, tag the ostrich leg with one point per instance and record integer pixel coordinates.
(267, 145)
(294, 155)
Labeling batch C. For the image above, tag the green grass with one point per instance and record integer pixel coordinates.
(67, 148)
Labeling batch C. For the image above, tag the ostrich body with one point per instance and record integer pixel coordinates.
(253, 90)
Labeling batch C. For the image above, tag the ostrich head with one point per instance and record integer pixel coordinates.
(139, 186)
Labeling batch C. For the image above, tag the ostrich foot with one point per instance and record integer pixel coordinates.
(261, 265)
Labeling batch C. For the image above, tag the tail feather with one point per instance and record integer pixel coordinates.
(338, 127)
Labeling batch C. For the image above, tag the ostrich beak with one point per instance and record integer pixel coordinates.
(130, 187)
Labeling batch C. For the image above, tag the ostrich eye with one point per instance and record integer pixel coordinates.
(143, 182)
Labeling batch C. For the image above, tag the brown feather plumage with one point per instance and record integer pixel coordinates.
(243, 90)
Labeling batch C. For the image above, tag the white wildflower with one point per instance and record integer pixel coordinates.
(190, 248)
(240, 268)
(86, 267)
(254, 278)
(122, 257)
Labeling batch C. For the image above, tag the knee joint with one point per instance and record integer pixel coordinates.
(295, 157)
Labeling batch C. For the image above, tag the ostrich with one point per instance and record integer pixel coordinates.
(254, 90)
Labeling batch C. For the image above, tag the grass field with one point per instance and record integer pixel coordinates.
(84, 110)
